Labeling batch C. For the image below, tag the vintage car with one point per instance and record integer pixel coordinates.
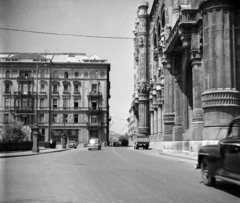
(222, 161)
(72, 144)
(94, 144)
(85, 144)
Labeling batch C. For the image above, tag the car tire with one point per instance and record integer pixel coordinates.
(207, 179)
(136, 146)
(89, 149)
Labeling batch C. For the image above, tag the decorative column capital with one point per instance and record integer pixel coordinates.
(143, 87)
(166, 62)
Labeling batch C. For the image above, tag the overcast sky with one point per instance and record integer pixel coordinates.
(109, 18)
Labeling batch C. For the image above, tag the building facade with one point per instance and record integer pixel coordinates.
(59, 92)
(187, 70)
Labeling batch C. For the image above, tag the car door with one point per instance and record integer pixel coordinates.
(231, 152)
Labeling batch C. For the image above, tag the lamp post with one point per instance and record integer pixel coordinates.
(65, 137)
(35, 128)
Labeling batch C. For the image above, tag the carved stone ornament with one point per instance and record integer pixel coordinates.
(143, 86)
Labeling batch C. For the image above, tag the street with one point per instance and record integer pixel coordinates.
(114, 174)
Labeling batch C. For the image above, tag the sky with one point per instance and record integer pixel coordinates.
(107, 18)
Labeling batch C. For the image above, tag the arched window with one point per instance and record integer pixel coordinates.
(66, 75)
(7, 74)
(163, 19)
(76, 74)
(155, 40)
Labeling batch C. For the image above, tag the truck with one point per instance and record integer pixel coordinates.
(141, 141)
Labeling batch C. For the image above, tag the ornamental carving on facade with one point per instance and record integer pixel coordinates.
(143, 86)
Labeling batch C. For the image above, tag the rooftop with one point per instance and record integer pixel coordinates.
(54, 57)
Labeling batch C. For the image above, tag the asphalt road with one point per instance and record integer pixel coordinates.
(112, 175)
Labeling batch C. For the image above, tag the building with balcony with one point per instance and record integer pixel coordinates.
(59, 92)
(186, 62)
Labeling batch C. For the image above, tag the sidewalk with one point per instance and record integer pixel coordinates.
(42, 150)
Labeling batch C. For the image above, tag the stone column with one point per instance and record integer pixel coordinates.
(143, 86)
(197, 122)
(35, 138)
(220, 99)
(169, 115)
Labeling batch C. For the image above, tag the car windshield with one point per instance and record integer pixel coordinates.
(234, 130)
(93, 141)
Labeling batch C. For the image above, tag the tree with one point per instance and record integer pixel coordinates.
(13, 131)
(123, 139)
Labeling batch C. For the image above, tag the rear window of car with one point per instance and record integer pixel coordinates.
(93, 141)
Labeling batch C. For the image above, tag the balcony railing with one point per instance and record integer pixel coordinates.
(94, 94)
(25, 79)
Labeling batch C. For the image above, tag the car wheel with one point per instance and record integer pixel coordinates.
(89, 149)
(136, 146)
(207, 179)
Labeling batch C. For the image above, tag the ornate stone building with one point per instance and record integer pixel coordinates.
(72, 95)
(187, 70)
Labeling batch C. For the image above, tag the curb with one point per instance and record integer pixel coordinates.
(30, 153)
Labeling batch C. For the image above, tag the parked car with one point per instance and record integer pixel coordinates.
(222, 161)
(72, 144)
(94, 144)
(85, 144)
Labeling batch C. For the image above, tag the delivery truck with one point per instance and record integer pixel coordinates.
(141, 141)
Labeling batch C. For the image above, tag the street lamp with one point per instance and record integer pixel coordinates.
(35, 127)
(65, 137)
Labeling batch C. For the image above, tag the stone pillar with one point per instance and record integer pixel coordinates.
(197, 121)
(169, 115)
(35, 139)
(178, 128)
(143, 86)
(220, 99)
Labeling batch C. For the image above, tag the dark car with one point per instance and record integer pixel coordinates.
(94, 144)
(85, 144)
(222, 161)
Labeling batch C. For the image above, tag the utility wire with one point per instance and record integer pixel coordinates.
(96, 36)
(61, 34)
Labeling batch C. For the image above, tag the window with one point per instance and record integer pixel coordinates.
(7, 103)
(76, 74)
(42, 88)
(55, 88)
(94, 105)
(55, 104)
(6, 118)
(94, 87)
(41, 118)
(65, 103)
(75, 118)
(41, 103)
(65, 118)
(24, 103)
(25, 89)
(7, 88)
(94, 119)
(42, 74)
(66, 75)
(75, 103)
(75, 88)
(65, 88)
(26, 75)
(54, 118)
(7, 74)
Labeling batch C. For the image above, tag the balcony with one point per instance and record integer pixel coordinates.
(94, 94)
(94, 110)
(24, 79)
(22, 110)
(94, 125)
